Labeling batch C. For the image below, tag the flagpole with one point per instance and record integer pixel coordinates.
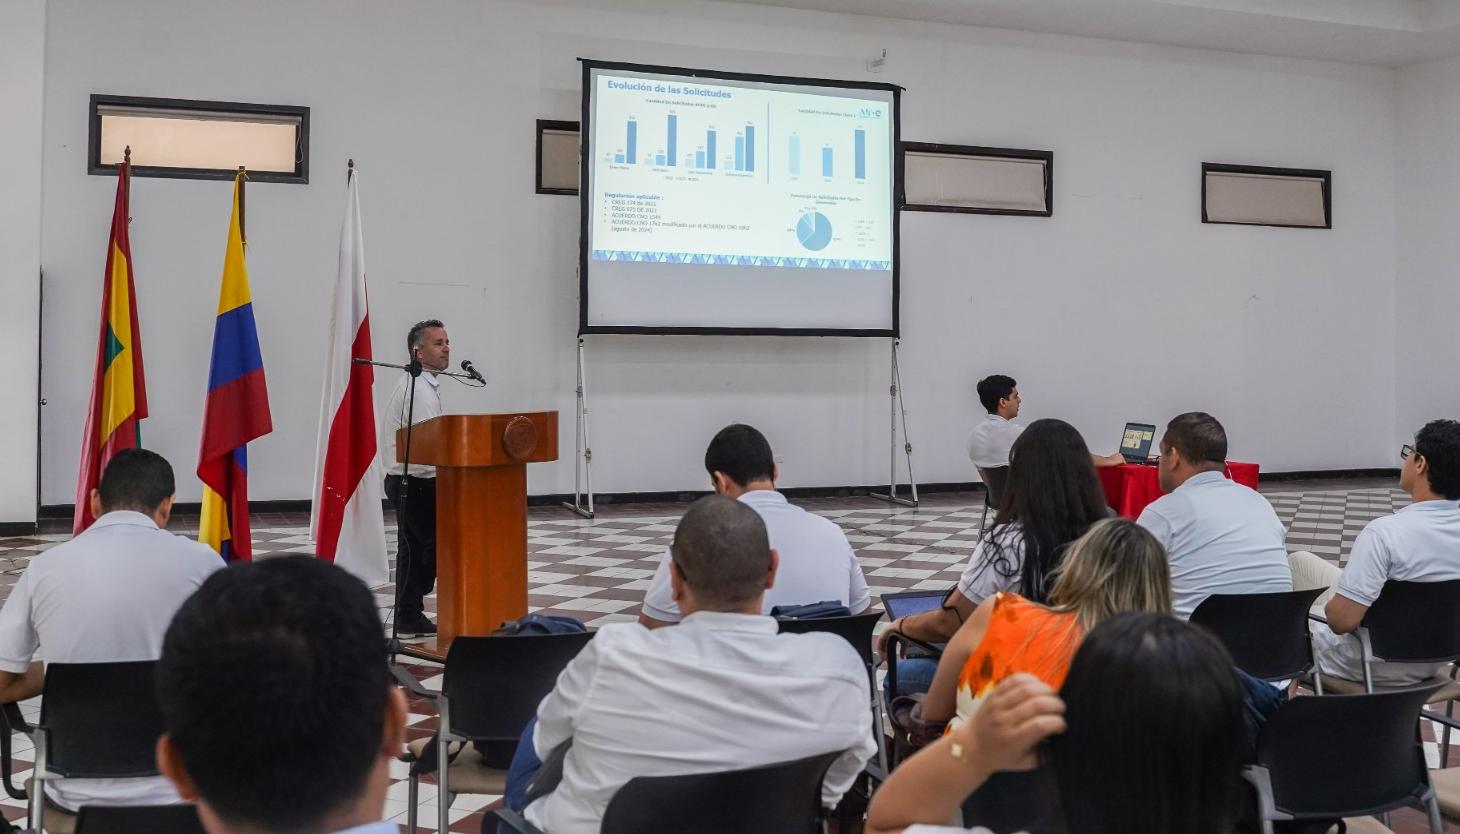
(242, 231)
(127, 198)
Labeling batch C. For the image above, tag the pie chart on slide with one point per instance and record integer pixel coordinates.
(813, 230)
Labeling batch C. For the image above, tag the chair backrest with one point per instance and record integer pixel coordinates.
(1345, 755)
(780, 798)
(101, 720)
(139, 819)
(856, 629)
(494, 684)
(994, 479)
(1416, 622)
(1266, 634)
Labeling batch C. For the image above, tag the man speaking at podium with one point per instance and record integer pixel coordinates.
(415, 512)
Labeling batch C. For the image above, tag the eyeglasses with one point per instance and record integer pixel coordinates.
(1406, 451)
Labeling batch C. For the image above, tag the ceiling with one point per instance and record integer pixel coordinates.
(1380, 32)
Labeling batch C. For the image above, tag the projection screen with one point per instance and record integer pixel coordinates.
(730, 203)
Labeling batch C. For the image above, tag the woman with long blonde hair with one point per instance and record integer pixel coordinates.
(1116, 567)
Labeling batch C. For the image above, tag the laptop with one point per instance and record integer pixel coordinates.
(913, 602)
(1135, 443)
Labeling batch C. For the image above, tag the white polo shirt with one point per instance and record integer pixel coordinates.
(817, 562)
(427, 405)
(716, 692)
(107, 595)
(1221, 538)
(989, 445)
(992, 569)
(1420, 543)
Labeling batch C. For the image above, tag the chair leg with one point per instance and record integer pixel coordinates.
(443, 804)
(1445, 735)
(984, 521)
(37, 785)
(413, 798)
(879, 732)
(1432, 808)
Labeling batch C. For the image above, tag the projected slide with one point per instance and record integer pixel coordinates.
(717, 202)
(710, 173)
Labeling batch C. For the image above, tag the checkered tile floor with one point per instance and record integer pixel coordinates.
(598, 570)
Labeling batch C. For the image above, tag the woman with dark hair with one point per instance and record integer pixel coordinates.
(1051, 498)
(1145, 735)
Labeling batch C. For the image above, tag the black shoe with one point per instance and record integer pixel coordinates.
(417, 626)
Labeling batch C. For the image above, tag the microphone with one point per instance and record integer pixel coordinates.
(472, 372)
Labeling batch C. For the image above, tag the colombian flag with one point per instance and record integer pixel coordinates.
(237, 408)
(118, 391)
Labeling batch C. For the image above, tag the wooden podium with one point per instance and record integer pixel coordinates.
(481, 515)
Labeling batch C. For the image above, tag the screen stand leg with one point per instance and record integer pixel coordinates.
(898, 408)
(583, 457)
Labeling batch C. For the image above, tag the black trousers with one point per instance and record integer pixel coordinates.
(415, 561)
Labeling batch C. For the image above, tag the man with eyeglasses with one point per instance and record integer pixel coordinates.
(1420, 543)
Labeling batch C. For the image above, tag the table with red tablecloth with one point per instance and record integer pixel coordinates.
(1129, 487)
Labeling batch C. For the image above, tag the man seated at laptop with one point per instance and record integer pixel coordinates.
(993, 437)
(105, 596)
(720, 691)
(1420, 543)
(1221, 537)
(817, 562)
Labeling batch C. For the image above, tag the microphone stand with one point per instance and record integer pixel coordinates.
(394, 646)
(413, 368)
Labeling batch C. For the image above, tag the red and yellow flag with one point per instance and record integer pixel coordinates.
(118, 390)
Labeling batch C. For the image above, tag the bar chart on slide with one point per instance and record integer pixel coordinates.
(709, 154)
(826, 164)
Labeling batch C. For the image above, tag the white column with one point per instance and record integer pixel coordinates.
(22, 87)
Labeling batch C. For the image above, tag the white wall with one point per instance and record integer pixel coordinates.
(22, 62)
(1122, 306)
(1427, 289)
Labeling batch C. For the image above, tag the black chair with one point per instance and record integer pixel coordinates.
(1343, 756)
(1446, 780)
(140, 819)
(780, 798)
(1266, 634)
(993, 483)
(1410, 622)
(490, 690)
(11, 721)
(98, 721)
(856, 629)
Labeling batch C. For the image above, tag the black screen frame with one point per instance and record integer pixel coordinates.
(584, 329)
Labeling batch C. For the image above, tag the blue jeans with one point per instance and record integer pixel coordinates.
(525, 765)
(914, 675)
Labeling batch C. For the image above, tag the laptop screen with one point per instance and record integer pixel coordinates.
(1135, 444)
(912, 602)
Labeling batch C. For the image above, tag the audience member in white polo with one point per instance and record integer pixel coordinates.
(105, 596)
(817, 562)
(1420, 543)
(993, 438)
(1221, 537)
(281, 715)
(720, 691)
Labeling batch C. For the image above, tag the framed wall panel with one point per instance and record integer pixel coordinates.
(977, 180)
(186, 139)
(1249, 195)
(557, 157)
